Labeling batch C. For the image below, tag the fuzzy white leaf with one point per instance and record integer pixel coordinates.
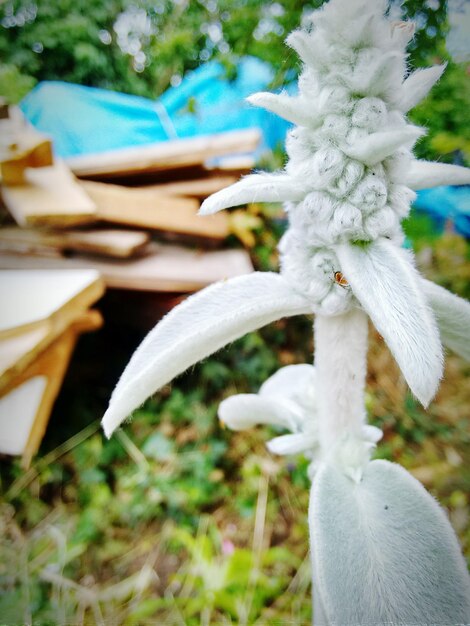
(319, 615)
(335, 16)
(417, 85)
(426, 174)
(253, 188)
(384, 280)
(301, 42)
(246, 410)
(362, 32)
(198, 327)
(371, 433)
(297, 443)
(384, 551)
(402, 33)
(292, 109)
(453, 316)
(373, 80)
(378, 146)
(289, 382)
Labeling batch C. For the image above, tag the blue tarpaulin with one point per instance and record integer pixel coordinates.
(447, 203)
(85, 120)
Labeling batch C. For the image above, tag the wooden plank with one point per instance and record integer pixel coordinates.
(18, 351)
(30, 297)
(34, 402)
(235, 165)
(166, 268)
(148, 208)
(115, 243)
(49, 197)
(165, 155)
(21, 147)
(37, 154)
(199, 188)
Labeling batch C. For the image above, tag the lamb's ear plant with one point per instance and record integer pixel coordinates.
(382, 549)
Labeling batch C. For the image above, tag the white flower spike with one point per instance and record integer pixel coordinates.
(382, 549)
(351, 166)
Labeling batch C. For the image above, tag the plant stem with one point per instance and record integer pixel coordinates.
(340, 360)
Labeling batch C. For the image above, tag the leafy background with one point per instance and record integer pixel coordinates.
(175, 520)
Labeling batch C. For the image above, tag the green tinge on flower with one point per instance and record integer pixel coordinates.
(288, 400)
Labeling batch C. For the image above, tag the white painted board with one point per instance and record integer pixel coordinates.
(17, 412)
(29, 296)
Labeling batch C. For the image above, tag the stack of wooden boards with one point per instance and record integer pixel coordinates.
(107, 221)
(88, 223)
(41, 317)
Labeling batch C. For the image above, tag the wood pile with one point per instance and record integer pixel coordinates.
(125, 219)
(107, 218)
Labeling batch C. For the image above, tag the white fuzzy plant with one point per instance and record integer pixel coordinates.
(382, 549)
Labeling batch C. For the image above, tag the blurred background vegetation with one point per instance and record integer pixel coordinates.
(144, 46)
(176, 520)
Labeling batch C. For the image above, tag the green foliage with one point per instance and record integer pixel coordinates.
(14, 85)
(420, 228)
(446, 115)
(143, 46)
(431, 28)
(221, 579)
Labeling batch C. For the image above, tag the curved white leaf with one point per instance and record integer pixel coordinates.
(417, 86)
(384, 280)
(253, 188)
(375, 78)
(426, 174)
(297, 443)
(292, 109)
(337, 16)
(371, 433)
(198, 327)
(363, 30)
(378, 146)
(289, 381)
(402, 33)
(384, 552)
(384, 72)
(246, 410)
(301, 42)
(453, 316)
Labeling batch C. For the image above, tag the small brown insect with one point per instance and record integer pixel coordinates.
(340, 279)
